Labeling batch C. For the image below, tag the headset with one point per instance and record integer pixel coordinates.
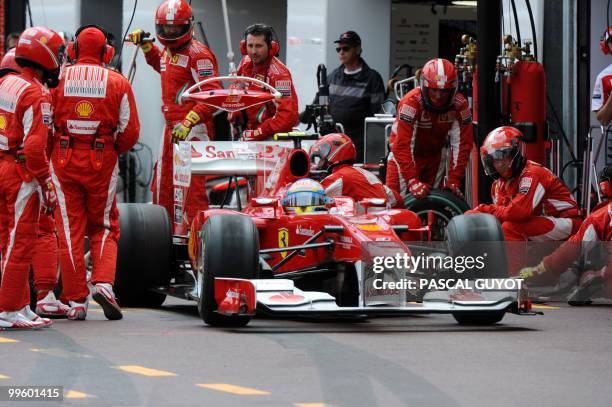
(108, 51)
(605, 38)
(269, 35)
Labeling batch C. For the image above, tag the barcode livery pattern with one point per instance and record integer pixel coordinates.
(86, 81)
(10, 90)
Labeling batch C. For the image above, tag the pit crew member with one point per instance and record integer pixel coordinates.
(600, 102)
(25, 181)
(260, 47)
(183, 62)
(433, 126)
(95, 121)
(597, 227)
(45, 260)
(529, 201)
(336, 153)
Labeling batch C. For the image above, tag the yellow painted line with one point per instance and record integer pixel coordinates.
(230, 388)
(7, 340)
(309, 404)
(73, 394)
(544, 307)
(145, 371)
(3, 377)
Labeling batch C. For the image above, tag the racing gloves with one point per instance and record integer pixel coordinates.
(529, 272)
(49, 198)
(251, 135)
(138, 37)
(181, 131)
(417, 188)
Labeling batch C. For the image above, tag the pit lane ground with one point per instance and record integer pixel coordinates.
(167, 357)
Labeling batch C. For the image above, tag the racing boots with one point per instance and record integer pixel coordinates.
(77, 311)
(15, 320)
(34, 317)
(50, 307)
(103, 294)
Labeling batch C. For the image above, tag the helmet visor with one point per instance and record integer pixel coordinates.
(499, 161)
(172, 31)
(305, 198)
(319, 154)
(439, 98)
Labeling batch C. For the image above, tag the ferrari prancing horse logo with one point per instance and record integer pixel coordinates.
(283, 240)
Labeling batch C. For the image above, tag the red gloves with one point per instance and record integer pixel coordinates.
(417, 188)
(251, 135)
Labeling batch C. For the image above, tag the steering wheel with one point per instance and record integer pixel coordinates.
(234, 98)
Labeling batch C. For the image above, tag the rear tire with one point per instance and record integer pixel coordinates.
(144, 254)
(230, 248)
(444, 204)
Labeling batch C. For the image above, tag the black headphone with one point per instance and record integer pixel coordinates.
(269, 36)
(107, 53)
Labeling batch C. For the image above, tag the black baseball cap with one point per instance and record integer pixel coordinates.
(350, 38)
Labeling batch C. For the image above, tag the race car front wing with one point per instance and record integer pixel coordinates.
(281, 297)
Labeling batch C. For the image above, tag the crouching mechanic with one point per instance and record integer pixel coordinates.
(529, 201)
(44, 262)
(260, 47)
(183, 62)
(336, 153)
(25, 182)
(597, 227)
(95, 121)
(432, 135)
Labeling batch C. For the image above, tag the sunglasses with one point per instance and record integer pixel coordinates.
(345, 49)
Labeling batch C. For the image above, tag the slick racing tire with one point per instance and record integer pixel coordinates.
(144, 257)
(479, 318)
(478, 235)
(443, 204)
(229, 248)
(467, 235)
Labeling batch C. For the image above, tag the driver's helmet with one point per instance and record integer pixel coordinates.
(503, 153)
(438, 82)
(174, 23)
(305, 196)
(332, 150)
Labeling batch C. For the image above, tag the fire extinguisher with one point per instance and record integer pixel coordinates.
(522, 88)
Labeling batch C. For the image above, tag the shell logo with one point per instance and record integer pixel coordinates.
(84, 109)
(2, 122)
(43, 40)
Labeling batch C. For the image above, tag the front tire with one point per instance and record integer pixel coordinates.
(230, 248)
(144, 254)
(463, 234)
(479, 318)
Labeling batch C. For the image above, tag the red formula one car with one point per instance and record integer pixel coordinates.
(257, 257)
